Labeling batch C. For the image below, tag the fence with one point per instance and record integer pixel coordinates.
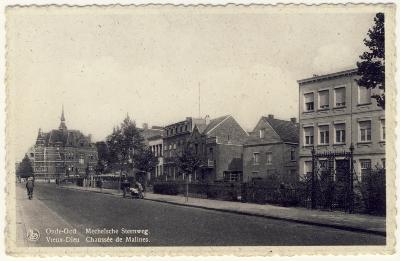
(369, 194)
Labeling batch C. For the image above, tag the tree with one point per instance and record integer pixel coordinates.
(371, 68)
(25, 168)
(103, 157)
(188, 161)
(123, 143)
(145, 160)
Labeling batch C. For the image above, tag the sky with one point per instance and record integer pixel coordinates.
(102, 65)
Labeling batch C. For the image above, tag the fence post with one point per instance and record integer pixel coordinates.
(313, 202)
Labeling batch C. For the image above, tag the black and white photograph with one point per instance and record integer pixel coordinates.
(267, 128)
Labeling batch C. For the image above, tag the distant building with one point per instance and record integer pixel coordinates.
(63, 153)
(272, 149)
(334, 113)
(148, 133)
(218, 144)
(175, 137)
(156, 145)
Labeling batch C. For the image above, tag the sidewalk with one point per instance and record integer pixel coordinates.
(333, 219)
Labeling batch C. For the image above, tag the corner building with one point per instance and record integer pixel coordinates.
(334, 113)
(63, 153)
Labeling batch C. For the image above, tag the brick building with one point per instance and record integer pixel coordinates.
(175, 137)
(272, 149)
(218, 143)
(63, 153)
(334, 113)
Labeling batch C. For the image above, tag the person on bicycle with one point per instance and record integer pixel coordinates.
(29, 187)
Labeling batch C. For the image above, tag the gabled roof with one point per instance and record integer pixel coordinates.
(214, 123)
(286, 130)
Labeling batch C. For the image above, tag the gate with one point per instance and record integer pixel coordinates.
(332, 180)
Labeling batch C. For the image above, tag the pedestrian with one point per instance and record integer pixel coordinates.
(29, 187)
(125, 186)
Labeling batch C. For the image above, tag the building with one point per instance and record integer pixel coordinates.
(175, 137)
(156, 145)
(272, 150)
(148, 133)
(218, 144)
(63, 153)
(334, 113)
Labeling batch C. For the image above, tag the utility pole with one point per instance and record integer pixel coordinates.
(199, 100)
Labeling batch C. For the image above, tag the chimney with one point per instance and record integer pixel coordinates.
(145, 126)
(207, 118)
(293, 120)
(270, 116)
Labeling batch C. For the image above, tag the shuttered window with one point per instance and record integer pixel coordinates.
(364, 95)
(309, 102)
(340, 97)
(323, 99)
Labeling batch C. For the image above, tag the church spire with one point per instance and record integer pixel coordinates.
(62, 114)
(62, 123)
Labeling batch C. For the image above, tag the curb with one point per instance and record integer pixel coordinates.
(304, 222)
(293, 220)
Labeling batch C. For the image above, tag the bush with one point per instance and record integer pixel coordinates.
(166, 188)
(373, 191)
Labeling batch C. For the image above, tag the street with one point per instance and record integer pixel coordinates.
(66, 217)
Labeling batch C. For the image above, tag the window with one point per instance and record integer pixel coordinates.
(292, 154)
(262, 133)
(211, 153)
(340, 133)
(323, 99)
(309, 101)
(365, 131)
(256, 158)
(307, 167)
(383, 135)
(324, 135)
(340, 97)
(174, 146)
(364, 95)
(309, 135)
(383, 161)
(365, 165)
(292, 173)
(170, 146)
(269, 158)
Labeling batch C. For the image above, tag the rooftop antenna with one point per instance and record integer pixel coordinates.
(199, 100)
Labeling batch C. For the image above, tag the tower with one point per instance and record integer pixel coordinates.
(62, 119)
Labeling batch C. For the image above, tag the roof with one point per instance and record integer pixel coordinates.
(286, 130)
(65, 137)
(327, 76)
(150, 133)
(214, 123)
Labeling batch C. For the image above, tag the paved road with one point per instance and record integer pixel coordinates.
(167, 225)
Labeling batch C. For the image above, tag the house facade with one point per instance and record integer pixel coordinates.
(334, 113)
(219, 145)
(175, 137)
(155, 143)
(272, 150)
(63, 153)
